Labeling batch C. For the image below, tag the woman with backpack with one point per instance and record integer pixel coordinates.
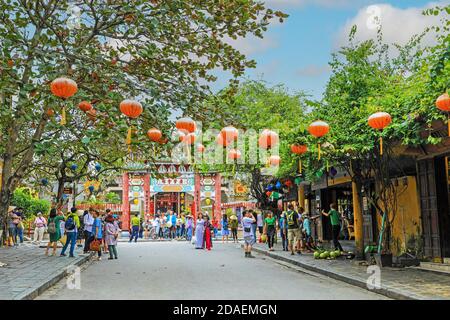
(71, 227)
(54, 231)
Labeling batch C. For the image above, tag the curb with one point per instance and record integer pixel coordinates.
(36, 291)
(385, 291)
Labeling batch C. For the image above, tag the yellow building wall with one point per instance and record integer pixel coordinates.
(406, 226)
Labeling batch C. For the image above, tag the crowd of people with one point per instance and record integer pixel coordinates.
(99, 231)
(92, 230)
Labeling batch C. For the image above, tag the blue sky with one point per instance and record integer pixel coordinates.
(296, 52)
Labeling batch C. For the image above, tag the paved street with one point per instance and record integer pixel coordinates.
(176, 270)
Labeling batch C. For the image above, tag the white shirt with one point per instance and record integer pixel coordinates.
(259, 220)
(88, 221)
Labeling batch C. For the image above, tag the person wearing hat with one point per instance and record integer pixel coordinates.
(40, 223)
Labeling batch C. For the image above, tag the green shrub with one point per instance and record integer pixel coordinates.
(31, 205)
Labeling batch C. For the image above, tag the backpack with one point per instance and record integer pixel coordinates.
(291, 218)
(70, 223)
(51, 228)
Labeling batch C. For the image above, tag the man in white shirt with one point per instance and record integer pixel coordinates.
(88, 221)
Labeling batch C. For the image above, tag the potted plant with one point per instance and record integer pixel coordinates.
(383, 259)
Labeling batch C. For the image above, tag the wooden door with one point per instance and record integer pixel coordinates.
(429, 208)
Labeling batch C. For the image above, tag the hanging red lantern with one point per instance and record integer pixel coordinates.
(63, 87)
(288, 183)
(268, 139)
(200, 148)
(186, 124)
(154, 134)
(379, 121)
(234, 154)
(85, 106)
(299, 149)
(229, 134)
(274, 160)
(443, 104)
(131, 108)
(268, 194)
(318, 129)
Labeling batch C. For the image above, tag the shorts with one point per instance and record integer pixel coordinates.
(293, 235)
(249, 240)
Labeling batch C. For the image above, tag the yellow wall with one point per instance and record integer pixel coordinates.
(406, 226)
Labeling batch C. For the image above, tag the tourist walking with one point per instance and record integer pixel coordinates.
(173, 228)
(178, 226)
(283, 231)
(270, 229)
(183, 225)
(40, 223)
(71, 228)
(335, 225)
(97, 233)
(249, 240)
(12, 222)
(225, 231)
(88, 221)
(54, 230)
(162, 226)
(260, 224)
(234, 223)
(254, 224)
(292, 219)
(199, 231)
(189, 226)
(208, 233)
(135, 226)
(111, 235)
(19, 225)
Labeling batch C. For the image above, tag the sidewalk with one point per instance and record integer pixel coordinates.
(29, 272)
(396, 283)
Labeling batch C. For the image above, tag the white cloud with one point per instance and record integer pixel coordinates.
(313, 71)
(398, 25)
(251, 45)
(277, 4)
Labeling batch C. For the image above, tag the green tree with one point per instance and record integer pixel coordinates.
(160, 52)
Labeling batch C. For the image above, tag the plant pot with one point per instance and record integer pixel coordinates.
(383, 259)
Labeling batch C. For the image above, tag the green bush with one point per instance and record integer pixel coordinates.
(31, 206)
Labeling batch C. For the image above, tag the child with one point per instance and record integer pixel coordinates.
(307, 231)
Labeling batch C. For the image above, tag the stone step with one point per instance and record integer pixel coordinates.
(434, 267)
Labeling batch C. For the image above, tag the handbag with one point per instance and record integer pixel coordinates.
(95, 245)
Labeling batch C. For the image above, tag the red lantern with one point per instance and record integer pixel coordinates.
(379, 121)
(154, 134)
(268, 194)
(234, 154)
(186, 124)
(229, 134)
(318, 129)
(299, 149)
(85, 106)
(274, 160)
(288, 183)
(268, 139)
(200, 148)
(63, 87)
(131, 108)
(443, 103)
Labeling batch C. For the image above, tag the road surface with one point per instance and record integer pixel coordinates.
(175, 270)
